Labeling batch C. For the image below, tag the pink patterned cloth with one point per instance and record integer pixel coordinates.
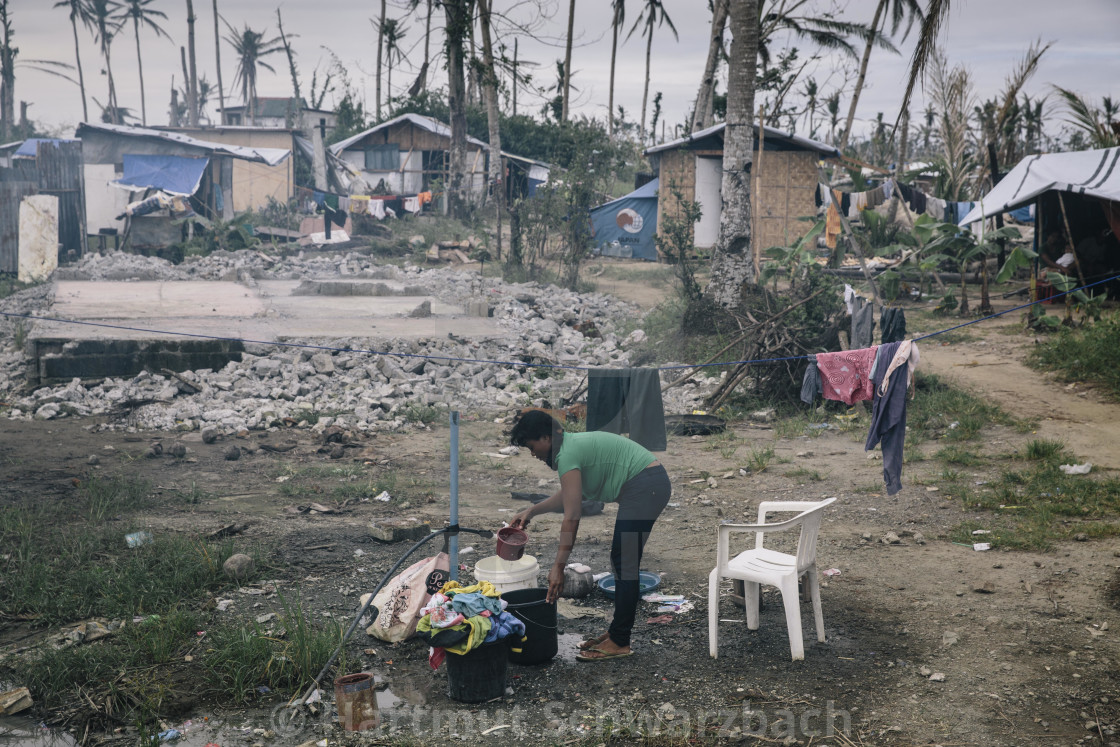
(846, 376)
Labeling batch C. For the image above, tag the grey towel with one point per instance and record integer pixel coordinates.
(811, 384)
(627, 400)
(863, 324)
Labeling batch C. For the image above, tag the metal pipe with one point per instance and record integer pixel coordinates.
(453, 540)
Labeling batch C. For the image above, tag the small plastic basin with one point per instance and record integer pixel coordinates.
(647, 582)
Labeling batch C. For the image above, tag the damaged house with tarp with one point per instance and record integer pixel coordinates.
(1076, 201)
(627, 226)
(410, 155)
(127, 165)
(788, 172)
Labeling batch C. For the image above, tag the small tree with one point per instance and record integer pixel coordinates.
(963, 247)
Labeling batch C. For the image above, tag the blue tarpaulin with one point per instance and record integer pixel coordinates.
(626, 227)
(176, 175)
(30, 147)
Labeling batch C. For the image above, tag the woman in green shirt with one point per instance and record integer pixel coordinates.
(605, 467)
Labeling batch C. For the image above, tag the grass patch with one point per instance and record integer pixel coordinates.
(1045, 450)
(805, 475)
(1088, 355)
(759, 459)
(1039, 505)
(942, 410)
(960, 456)
(418, 413)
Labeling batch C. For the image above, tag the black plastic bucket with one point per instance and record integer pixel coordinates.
(529, 606)
(478, 675)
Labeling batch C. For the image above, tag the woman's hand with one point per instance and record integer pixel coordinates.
(521, 520)
(555, 583)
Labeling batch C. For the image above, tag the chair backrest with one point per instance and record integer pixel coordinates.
(811, 513)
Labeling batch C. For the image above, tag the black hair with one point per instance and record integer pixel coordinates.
(533, 424)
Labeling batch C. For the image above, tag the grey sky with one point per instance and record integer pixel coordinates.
(988, 36)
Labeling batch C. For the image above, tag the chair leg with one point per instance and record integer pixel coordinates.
(750, 603)
(813, 582)
(792, 604)
(713, 613)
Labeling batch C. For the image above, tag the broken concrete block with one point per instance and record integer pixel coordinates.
(423, 311)
(14, 701)
(399, 530)
(323, 363)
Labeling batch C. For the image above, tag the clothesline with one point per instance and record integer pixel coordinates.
(919, 202)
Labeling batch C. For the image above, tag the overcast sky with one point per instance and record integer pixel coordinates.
(987, 36)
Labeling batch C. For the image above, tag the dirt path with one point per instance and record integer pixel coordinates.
(990, 362)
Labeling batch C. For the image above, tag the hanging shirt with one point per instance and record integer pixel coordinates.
(846, 376)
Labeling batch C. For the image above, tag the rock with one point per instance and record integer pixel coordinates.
(937, 677)
(423, 311)
(14, 701)
(336, 451)
(890, 538)
(985, 587)
(210, 435)
(155, 450)
(925, 671)
(177, 450)
(323, 363)
(239, 567)
(93, 460)
(1081, 537)
(764, 416)
(950, 638)
(232, 453)
(399, 530)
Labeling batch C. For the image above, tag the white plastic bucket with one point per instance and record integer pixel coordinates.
(508, 575)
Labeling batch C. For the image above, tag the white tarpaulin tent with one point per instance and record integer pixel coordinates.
(1095, 173)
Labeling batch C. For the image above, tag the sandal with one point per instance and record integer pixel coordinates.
(594, 654)
(591, 643)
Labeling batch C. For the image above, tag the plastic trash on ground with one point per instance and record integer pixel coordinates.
(1076, 469)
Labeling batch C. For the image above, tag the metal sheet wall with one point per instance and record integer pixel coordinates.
(11, 194)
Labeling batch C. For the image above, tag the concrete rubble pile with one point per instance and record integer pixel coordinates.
(362, 384)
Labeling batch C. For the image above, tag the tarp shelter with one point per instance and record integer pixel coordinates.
(626, 227)
(1095, 173)
(30, 147)
(177, 175)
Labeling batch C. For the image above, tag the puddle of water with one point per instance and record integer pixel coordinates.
(26, 733)
(567, 646)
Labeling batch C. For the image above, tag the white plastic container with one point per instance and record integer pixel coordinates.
(508, 575)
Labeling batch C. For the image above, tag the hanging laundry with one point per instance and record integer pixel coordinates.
(892, 325)
(824, 195)
(846, 376)
(424, 198)
(811, 383)
(412, 204)
(888, 189)
(863, 322)
(377, 209)
(832, 226)
(888, 410)
(850, 298)
(627, 400)
(935, 208)
(874, 198)
(359, 204)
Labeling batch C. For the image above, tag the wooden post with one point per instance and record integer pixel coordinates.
(755, 196)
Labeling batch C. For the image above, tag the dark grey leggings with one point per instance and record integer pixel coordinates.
(640, 502)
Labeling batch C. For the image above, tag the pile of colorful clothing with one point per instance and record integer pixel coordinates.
(459, 619)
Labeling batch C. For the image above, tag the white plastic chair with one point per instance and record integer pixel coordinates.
(763, 566)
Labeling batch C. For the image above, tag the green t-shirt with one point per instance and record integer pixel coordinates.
(605, 462)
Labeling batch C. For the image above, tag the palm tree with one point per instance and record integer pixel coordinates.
(936, 13)
(104, 14)
(1093, 121)
(567, 63)
(702, 113)
(732, 262)
(79, 11)
(653, 15)
(618, 17)
(413, 6)
(250, 47)
(218, 65)
(822, 31)
(140, 12)
(898, 10)
(392, 32)
(379, 26)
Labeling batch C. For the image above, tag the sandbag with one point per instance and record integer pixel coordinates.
(399, 602)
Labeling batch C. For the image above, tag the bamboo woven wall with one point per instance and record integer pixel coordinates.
(786, 192)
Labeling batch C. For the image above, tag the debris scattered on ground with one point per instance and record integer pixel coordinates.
(239, 566)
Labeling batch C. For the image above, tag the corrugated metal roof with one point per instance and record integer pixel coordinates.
(424, 123)
(771, 134)
(270, 156)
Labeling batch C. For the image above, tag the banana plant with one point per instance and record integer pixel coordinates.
(793, 261)
(963, 247)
